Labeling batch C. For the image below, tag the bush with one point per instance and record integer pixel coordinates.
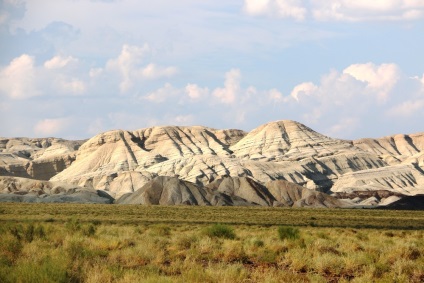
(73, 225)
(289, 233)
(29, 233)
(220, 231)
(89, 230)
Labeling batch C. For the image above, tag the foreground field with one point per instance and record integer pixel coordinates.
(85, 243)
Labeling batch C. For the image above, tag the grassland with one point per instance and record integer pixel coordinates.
(112, 243)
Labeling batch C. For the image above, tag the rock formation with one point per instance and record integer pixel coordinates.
(36, 158)
(227, 191)
(123, 162)
(15, 189)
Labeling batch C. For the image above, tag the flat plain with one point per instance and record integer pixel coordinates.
(134, 243)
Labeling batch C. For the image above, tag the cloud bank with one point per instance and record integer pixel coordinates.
(337, 10)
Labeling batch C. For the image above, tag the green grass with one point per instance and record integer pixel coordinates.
(104, 243)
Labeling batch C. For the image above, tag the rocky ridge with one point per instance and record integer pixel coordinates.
(123, 162)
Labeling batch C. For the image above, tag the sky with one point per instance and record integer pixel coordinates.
(345, 68)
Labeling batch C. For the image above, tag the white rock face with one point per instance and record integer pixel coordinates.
(121, 162)
(36, 158)
(396, 149)
(405, 179)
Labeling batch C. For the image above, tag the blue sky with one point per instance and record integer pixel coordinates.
(346, 68)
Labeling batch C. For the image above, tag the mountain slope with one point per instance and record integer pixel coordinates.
(122, 162)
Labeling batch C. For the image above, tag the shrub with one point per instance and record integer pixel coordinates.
(73, 225)
(289, 233)
(89, 230)
(29, 233)
(220, 231)
(39, 232)
(161, 230)
(258, 243)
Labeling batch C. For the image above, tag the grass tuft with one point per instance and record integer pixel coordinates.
(288, 233)
(220, 231)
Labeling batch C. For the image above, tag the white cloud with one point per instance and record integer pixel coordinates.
(281, 8)
(338, 10)
(196, 92)
(74, 86)
(306, 88)
(50, 127)
(126, 64)
(129, 65)
(344, 126)
(162, 94)
(18, 79)
(151, 71)
(365, 10)
(182, 119)
(228, 94)
(58, 62)
(407, 108)
(370, 81)
(256, 7)
(95, 72)
(380, 79)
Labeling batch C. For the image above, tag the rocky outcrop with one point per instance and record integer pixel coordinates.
(244, 188)
(14, 189)
(167, 191)
(408, 203)
(289, 194)
(227, 191)
(396, 149)
(39, 159)
(404, 179)
(278, 150)
(122, 162)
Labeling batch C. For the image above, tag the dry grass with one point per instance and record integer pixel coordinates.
(76, 249)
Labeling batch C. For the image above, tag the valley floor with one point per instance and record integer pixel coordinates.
(132, 243)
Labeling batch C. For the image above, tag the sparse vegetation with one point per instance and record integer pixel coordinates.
(288, 233)
(220, 231)
(89, 247)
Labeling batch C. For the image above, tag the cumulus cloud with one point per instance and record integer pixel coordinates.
(50, 127)
(344, 126)
(363, 10)
(380, 79)
(58, 62)
(73, 85)
(338, 10)
(275, 95)
(306, 88)
(182, 119)
(361, 96)
(162, 94)
(369, 79)
(18, 79)
(407, 108)
(228, 94)
(196, 92)
(281, 8)
(152, 71)
(129, 65)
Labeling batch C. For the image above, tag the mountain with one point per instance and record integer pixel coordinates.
(123, 162)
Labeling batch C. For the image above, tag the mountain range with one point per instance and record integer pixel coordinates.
(281, 163)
